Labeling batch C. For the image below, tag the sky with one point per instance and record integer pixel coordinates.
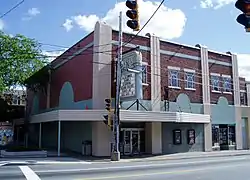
(59, 24)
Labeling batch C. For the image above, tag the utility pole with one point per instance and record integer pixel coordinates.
(116, 130)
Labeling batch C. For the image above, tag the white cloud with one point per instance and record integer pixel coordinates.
(68, 24)
(51, 55)
(1, 24)
(215, 4)
(167, 23)
(31, 13)
(244, 65)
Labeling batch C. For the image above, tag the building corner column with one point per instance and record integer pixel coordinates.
(153, 138)
(206, 98)
(153, 130)
(155, 73)
(236, 93)
(101, 88)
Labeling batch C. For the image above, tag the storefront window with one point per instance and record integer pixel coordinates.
(231, 135)
(215, 135)
(223, 135)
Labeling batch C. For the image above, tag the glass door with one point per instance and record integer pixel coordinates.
(135, 142)
(127, 142)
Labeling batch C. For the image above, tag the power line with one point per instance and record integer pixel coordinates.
(11, 9)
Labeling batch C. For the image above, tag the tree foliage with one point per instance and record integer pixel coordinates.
(20, 57)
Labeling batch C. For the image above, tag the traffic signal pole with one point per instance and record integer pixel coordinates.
(115, 156)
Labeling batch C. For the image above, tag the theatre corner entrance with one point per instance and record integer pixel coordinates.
(132, 141)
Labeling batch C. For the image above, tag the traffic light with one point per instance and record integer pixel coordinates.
(244, 18)
(133, 14)
(108, 119)
(108, 104)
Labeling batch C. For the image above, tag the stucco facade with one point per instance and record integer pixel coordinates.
(71, 110)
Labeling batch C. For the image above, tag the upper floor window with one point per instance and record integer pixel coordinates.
(243, 98)
(189, 79)
(215, 82)
(173, 78)
(144, 73)
(227, 84)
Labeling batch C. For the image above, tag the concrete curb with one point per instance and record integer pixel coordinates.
(179, 157)
(19, 163)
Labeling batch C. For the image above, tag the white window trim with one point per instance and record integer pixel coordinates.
(189, 70)
(174, 87)
(218, 92)
(212, 85)
(243, 91)
(225, 92)
(214, 74)
(174, 68)
(226, 76)
(190, 89)
(229, 77)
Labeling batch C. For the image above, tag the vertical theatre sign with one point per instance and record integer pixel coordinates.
(131, 77)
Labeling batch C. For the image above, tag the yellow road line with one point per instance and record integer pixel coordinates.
(154, 173)
(140, 175)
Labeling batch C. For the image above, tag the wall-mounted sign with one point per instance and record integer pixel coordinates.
(177, 137)
(191, 136)
(131, 82)
(6, 133)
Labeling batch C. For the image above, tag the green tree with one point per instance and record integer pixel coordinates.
(20, 57)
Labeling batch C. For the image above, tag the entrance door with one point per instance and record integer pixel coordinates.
(135, 142)
(131, 141)
(127, 142)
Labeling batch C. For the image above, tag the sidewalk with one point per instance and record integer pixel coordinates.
(89, 160)
(190, 155)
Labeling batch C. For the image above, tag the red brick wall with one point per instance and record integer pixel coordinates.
(242, 83)
(195, 96)
(78, 71)
(219, 57)
(80, 44)
(220, 69)
(30, 96)
(166, 60)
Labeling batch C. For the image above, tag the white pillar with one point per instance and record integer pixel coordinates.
(101, 71)
(155, 73)
(236, 88)
(153, 137)
(206, 97)
(59, 139)
(40, 135)
(101, 139)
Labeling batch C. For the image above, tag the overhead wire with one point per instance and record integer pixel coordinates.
(11, 9)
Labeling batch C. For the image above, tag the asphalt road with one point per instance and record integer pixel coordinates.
(227, 168)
